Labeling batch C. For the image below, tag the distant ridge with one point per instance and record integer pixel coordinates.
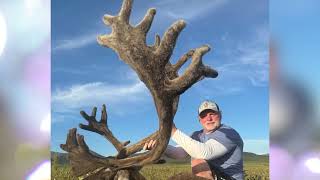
(248, 156)
(62, 158)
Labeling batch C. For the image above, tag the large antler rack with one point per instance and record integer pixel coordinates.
(152, 64)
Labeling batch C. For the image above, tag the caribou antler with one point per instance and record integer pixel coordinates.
(102, 129)
(82, 160)
(152, 64)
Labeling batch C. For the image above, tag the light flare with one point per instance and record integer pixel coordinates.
(42, 172)
(32, 5)
(45, 124)
(3, 33)
(313, 164)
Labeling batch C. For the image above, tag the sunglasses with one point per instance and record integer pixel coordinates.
(205, 112)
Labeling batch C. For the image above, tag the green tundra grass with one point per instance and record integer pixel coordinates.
(253, 170)
(255, 167)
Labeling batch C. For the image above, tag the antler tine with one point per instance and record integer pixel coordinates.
(71, 140)
(169, 41)
(209, 72)
(125, 11)
(108, 19)
(72, 137)
(94, 112)
(85, 116)
(157, 41)
(182, 60)
(104, 40)
(83, 145)
(91, 121)
(195, 71)
(100, 127)
(104, 115)
(82, 159)
(145, 24)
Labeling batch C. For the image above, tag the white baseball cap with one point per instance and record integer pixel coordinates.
(205, 105)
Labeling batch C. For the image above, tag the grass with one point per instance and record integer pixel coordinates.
(253, 171)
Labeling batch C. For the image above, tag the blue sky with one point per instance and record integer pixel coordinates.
(85, 74)
(296, 32)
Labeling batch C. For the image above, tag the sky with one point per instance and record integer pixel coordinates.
(85, 74)
(296, 33)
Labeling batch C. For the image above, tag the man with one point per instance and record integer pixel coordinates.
(216, 150)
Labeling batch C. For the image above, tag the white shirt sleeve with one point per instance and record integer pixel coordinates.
(176, 152)
(198, 150)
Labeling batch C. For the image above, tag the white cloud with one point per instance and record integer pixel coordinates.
(255, 57)
(57, 118)
(257, 146)
(225, 36)
(189, 10)
(173, 9)
(218, 88)
(259, 78)
(97, 93)
(75, 42)
(69, 70)
(244, 65)
(249, 60)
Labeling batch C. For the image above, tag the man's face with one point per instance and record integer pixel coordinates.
(210, 120)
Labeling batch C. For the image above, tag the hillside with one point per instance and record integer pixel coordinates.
(251, 157)
(247, 157)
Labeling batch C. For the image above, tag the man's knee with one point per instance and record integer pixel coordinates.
(198, 161)
(201, 168)
(200, 164)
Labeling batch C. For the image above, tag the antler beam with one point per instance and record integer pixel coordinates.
(152, 64)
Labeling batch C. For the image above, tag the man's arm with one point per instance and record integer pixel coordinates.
(208, 150)
(176, 152)
(188, 146)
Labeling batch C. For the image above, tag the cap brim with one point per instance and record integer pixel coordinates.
(206, 110)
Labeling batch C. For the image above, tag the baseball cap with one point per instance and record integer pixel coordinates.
(208, 105)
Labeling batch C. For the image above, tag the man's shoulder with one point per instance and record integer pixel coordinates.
(196, 133)
(227, 129)
(229, 132)
(224, 126)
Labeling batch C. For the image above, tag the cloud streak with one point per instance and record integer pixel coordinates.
(190, 10)
(171, 9)
(254, 57)
(250, 59)
(244, 64)
(97, 93)
(75, 43)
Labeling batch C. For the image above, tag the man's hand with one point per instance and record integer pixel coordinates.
(152, 143)
(149, 145)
